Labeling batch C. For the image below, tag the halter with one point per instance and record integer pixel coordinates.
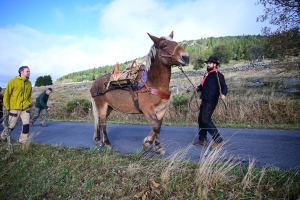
(169, 55)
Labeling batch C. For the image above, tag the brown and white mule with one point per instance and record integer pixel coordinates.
(152, 99)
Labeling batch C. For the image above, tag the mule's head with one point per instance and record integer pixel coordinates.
(169, 51)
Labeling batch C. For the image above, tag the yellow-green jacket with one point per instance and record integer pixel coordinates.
(17, 95)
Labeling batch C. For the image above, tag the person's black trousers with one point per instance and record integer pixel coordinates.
(205, 123)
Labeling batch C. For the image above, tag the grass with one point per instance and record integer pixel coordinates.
(55, 172)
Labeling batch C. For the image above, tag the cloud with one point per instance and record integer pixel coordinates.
(57, 55)
(188, 19)
(59, 16)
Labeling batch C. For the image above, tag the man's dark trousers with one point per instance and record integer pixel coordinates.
(205, 123)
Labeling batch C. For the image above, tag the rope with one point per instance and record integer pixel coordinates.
(220, 90)
(194, 94)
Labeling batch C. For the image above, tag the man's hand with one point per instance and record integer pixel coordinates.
(48, 109)
(222, 96)
(196, 88)
(7, 112)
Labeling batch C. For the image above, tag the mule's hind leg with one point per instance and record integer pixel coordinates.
(103, 117)
(100, 112)
(97, 138)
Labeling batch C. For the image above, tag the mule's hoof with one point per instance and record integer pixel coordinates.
(161, 151)
(99, 143)
(146, 147)
(147, 143)
(108, 146)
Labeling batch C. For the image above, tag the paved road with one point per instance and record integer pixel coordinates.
(278, 148)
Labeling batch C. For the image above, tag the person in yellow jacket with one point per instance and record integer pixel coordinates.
(17, 102)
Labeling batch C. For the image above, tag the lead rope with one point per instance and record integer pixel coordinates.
(194, 94)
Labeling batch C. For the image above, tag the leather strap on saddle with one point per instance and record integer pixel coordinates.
(135, 99)
(156, 92)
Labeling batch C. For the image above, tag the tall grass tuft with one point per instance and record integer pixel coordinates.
(213, 169)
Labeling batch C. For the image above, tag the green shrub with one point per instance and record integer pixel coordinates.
(180, 100)
(84, 104)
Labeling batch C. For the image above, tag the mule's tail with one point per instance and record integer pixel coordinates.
(95, 114)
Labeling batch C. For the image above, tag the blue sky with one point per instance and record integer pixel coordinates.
(59, 37)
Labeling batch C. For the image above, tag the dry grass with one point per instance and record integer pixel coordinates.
(213, 169)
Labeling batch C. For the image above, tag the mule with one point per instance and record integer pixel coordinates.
(152, 99)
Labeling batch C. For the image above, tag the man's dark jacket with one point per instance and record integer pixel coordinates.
(41, 101)
(210, 90)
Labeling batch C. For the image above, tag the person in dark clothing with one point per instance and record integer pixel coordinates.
(210, 88)
(41, 106)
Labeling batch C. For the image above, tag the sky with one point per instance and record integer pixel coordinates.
(60, 37)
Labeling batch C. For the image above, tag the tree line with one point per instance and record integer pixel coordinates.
(92, 74)
(246, 47)
(43, 81)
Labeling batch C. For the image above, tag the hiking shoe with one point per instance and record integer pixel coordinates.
(216, 146)
(24, 138)
(43, 125)
(200, 143)
(3, 136)
(31, 124)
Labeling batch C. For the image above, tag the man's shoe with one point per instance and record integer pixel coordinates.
(200, 143)
(216, 146)
(3, 136)
(31, 124)
(43, 125)
(24, 138)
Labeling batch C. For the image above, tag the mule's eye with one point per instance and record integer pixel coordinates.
(164, 46)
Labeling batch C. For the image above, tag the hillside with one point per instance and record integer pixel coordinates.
(199, 50)
(260, 95)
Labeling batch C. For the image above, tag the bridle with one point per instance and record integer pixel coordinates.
(169, 55)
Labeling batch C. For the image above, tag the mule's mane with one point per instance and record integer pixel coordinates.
(152, 52)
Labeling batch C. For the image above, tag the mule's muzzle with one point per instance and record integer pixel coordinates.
(186, 60)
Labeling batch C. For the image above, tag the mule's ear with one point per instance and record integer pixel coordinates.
(154, 39)
(171, 35)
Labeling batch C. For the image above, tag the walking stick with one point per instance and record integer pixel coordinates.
(220, 90)
(7, 131)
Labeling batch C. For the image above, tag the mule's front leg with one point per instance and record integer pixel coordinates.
(154, 137)
(148, 141)
(157, 145)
